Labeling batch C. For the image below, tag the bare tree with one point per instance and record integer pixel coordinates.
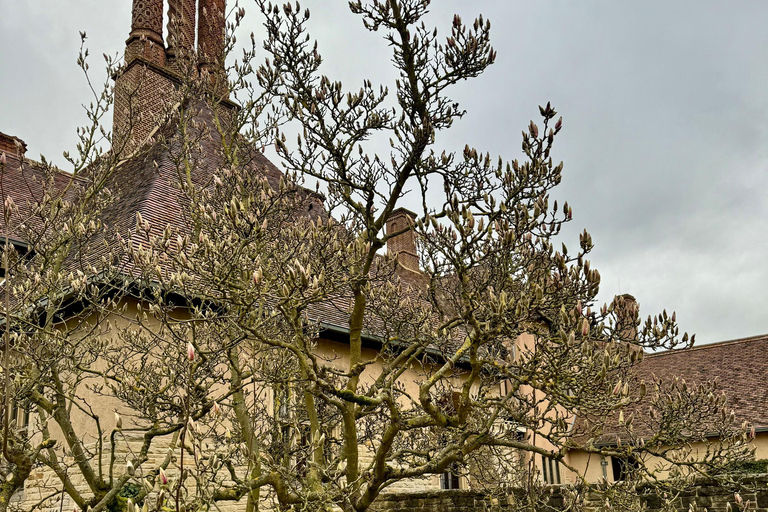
(260, 347)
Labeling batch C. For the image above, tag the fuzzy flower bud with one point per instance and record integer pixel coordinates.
(190, 352)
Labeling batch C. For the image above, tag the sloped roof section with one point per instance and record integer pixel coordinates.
(739, 367)
(26, 182)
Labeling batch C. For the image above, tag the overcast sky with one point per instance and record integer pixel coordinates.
(665, 137)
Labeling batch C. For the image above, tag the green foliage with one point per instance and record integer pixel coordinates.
(751, 466)
(120, 503)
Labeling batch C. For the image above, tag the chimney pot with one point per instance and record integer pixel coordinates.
(181, 28)
(146, 38)
(210, 32)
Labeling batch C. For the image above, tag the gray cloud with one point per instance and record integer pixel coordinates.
(665, 137)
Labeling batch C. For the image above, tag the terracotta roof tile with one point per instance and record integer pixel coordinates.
(740, 367)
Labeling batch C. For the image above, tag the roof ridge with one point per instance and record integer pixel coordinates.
(715, 344)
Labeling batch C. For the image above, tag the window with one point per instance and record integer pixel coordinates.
(624, 469)
(281, 402)
(513, 430)
(282, 436)
(449, 480)
(550, 470)
(291, 439)
(504, 387)
(303, 451)
(19, 417)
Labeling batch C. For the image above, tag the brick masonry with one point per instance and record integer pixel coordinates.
(704, 496)
(144, 96)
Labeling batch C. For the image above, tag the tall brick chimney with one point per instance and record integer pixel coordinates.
(146, 88)
(403, 245)
(627, 315)
(181, 28)
(210, 33)
(146, 38)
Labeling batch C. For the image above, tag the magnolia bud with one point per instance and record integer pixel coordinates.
(163, 478)
(190, 352)
(129, 468)
(118, 421)
(534, 129)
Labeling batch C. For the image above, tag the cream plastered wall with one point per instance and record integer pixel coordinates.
(590, 466)
(43, 481)
(336, 354)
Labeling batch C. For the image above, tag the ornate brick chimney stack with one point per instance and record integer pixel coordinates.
(146, 39)
(144, 87)
(403, 245)
(210, 33)
(181, 29)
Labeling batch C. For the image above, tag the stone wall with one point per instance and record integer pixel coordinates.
(703, 496)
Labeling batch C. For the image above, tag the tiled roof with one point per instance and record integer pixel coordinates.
(145, 184)
(740, 367)
(24, 180)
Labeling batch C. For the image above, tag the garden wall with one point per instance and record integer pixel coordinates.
(714, 498)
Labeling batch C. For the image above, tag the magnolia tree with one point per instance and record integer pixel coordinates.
(182, 366)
